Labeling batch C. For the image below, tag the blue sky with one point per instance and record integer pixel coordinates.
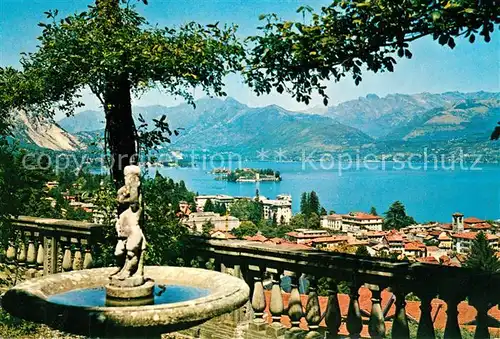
(433, 68)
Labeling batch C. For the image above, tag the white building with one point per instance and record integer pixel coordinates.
(303, 235)
(332, 222)
(224, 223)
(356, 221)
(280, 208)
(462, 241)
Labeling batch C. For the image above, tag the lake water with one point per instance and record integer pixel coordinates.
(428, 194)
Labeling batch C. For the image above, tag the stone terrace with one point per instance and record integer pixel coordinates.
(450, 297)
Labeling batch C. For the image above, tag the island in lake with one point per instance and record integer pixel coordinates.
(246, 174)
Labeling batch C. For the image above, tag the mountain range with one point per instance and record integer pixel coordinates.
(227, 124)
(381, 117)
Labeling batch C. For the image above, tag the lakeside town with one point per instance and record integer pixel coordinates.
(443, 243)
(435, 243)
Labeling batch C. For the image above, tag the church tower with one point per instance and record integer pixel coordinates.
(457, 222)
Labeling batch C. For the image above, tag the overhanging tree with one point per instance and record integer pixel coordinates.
(113, 51)
(348, 37)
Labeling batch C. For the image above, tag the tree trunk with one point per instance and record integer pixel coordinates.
(120, 127)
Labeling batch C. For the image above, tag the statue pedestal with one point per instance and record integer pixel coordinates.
(133, 291)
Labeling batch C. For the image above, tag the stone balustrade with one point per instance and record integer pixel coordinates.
(46, 246)
(264, 266)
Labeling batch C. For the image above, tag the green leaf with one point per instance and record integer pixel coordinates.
(451, 43)
(443, 39)
(436, 15)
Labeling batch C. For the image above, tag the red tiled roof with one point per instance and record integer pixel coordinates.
(414, 246)
(334, 216)
(434, 233)
(394, 236)
(428, 260)
(472, 235)
(328, 239)
(362, 216)
(480, 226)
(375, 233)
(472, 220)
(294, 246)
(257, 237)
(443, 237)
(447, 226)
(276, 240)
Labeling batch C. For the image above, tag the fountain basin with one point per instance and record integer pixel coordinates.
(39, 300)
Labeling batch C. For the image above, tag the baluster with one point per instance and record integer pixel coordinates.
(376, 325)
(21, 253)
(77, 260)
(313, 311)
(87, 260)
(452, 329)
(425, 326)
(31, 259)
(258, 297)
(276, 306)
(354, 323)
(11, 252)
(40, 257)
(481, 305)
(237, 272)
(295, 311)
(66, 262)
(333, 317)
(400, 327)
(258, 303)
(31, 254)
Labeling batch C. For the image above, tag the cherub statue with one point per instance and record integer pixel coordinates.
(130, 192)
(131, 243)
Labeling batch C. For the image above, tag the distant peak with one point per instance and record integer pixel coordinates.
(231, 100)
(372, 96)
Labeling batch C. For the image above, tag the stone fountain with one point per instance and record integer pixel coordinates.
(130, 300)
